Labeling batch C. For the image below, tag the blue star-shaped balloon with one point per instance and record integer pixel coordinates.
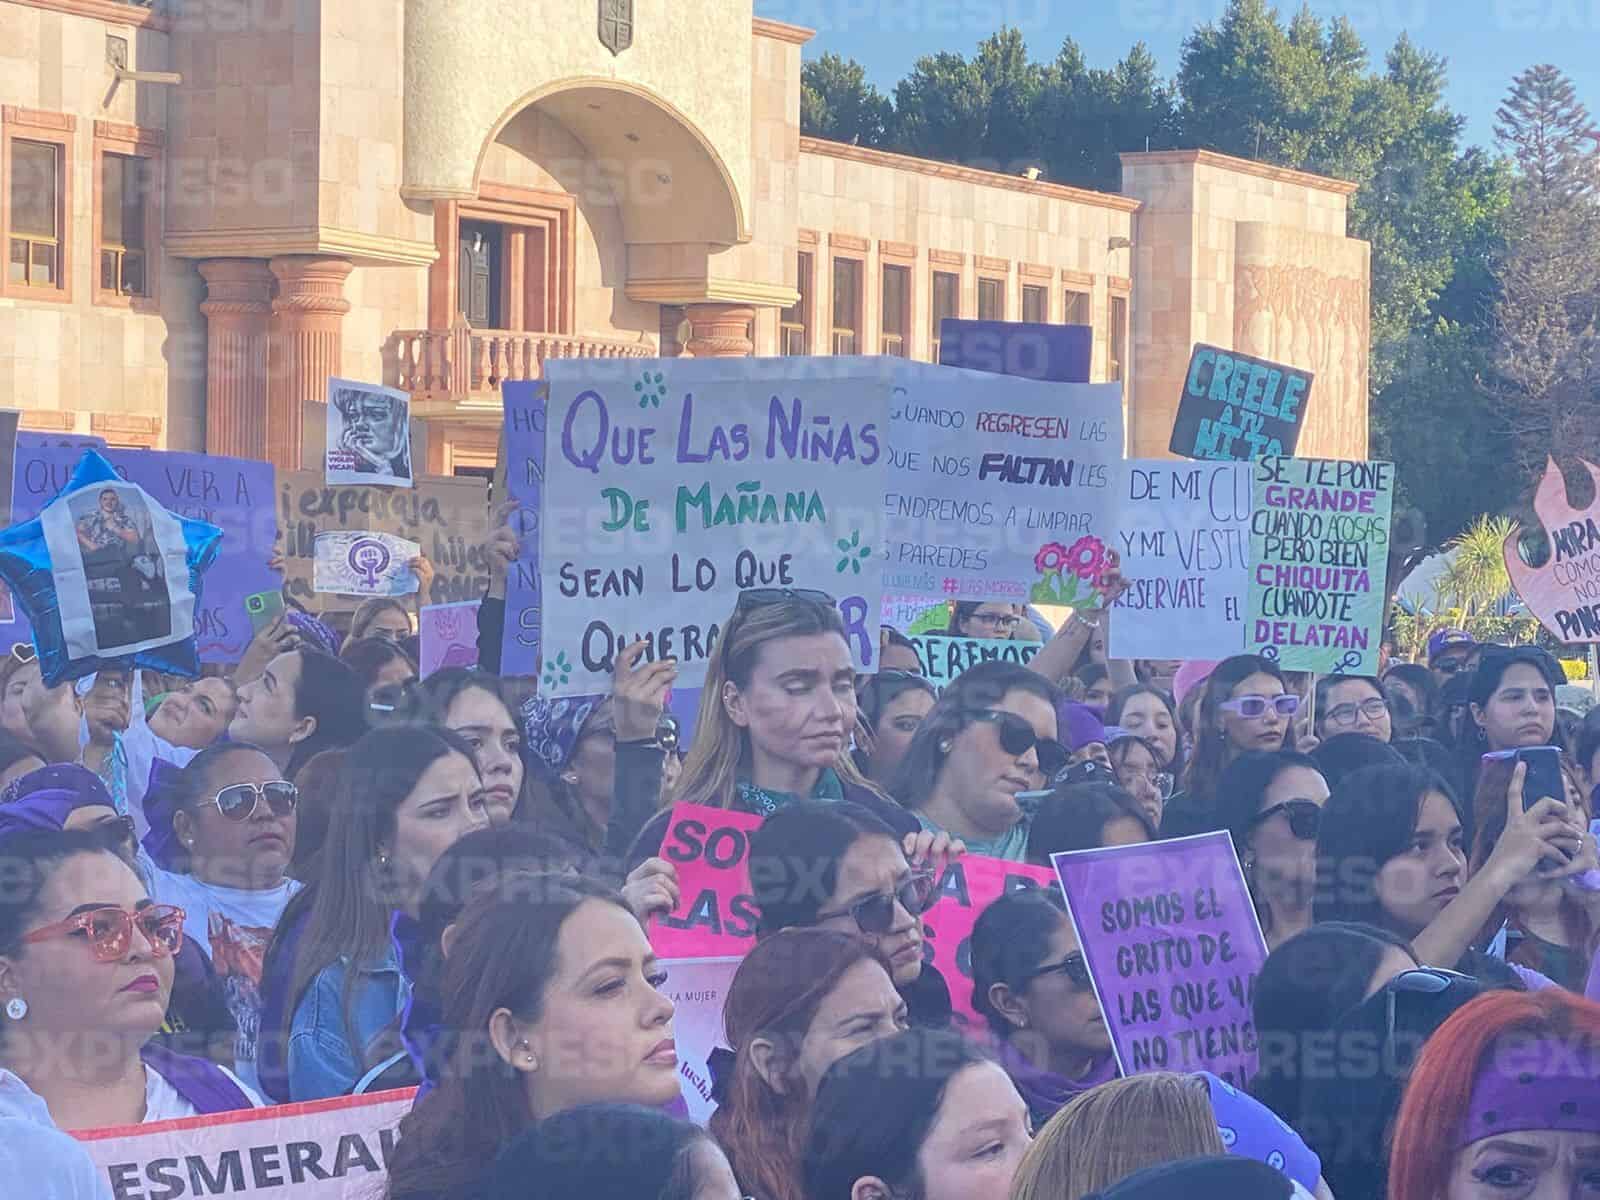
(108, 577)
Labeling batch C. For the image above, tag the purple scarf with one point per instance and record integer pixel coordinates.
(1045, 1091)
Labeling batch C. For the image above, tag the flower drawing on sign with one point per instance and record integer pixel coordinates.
(853, 553)
(652, 391)
(1052, 557)
(558, 670)
(1062, 569)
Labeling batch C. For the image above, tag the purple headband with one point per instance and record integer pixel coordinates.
(1528, 1084)
(550, 728)
(321, 635)
(1079, 724)
(45, 798)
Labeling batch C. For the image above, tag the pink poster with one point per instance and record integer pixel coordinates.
(969, 885)
(447, 636)
(716, 915)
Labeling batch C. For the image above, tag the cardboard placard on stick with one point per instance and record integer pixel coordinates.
(1238, 407)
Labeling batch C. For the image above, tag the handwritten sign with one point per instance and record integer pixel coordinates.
(1238, 407)
(1173, 948)
(1319, 560)
(1563, 591)
(234, 494)
(969, 885)
(944, 658)
(674, 484)
(1000, 489)
(321, 1150)
(915, 614)
(364, 564)
(698, 988)
(1182, 531)
(447, 517)
(522, 441)
(716, 914)
(447, 636)
(1026, 349)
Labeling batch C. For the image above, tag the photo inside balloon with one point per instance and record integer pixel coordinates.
(106, 576)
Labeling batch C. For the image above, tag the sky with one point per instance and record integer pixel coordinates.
(1485, 41)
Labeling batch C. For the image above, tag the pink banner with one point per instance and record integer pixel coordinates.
(447, 636)
(969, 885)
(716, 914)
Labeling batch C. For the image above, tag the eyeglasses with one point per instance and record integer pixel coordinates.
(110, 930)
(1160, 780)
(1305, 817)
(996, 620)
(1345, 715)
(392, 697)
(1450, 666)
(1072, 966)
(24, 652)
(875, 914)
(1017, 738)
(760, 597)
(238, 801)
(1252, 707)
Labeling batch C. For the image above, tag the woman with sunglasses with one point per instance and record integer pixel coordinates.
(1085, 816)
(1544, 923)
(1244, 705)
(992, 735)
(1271, 805)
(384, 670)
(800, 1001)
(890, 706)
(1030, 982)
(1352, 704)
(1391, 853)
(332, 987)
(1502, 1103)
(1414, 696)
(1137, 763)
(86, 969)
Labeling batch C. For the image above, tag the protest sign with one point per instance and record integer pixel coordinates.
(447, 517)
(522, 444)
(698, 987)
(364, 564)
(1319, 561)
(716, 914)
(912, 615)
(1182, 532)
(968, 886)
(1026, 349)
(447, 636)
(943, 657)
(1173, 947)
(674, 484)
(1000, 489)
(320, 1150)
(1238, 407)
(1563, 590)
(369, 434)
(234, 494)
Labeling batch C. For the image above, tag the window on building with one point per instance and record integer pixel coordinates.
(794, 326)
(896, 310)
(1117, 340)
(991, 300)
(1076, 311)
(1035, 304)
(846, 305)
(125, 192)
(36, 216)
(946, 303)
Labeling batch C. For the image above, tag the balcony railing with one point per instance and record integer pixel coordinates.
(455, 364)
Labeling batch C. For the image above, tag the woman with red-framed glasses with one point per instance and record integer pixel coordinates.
(86, 970)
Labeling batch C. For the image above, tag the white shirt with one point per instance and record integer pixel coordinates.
(34, 1152)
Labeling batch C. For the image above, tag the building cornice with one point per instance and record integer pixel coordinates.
(1244, 166)
(106, 10)
(711, 291)
(365, 248)
(795, 35)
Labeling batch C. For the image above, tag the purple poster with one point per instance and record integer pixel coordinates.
(1173, 947)
(524, 447)
(235, 494)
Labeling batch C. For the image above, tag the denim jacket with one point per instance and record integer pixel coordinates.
(328, 1055)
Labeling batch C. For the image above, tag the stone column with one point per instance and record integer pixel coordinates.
(720, 330)
(237, 305)
(306, 346)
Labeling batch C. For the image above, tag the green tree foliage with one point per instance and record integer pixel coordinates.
(838, 103)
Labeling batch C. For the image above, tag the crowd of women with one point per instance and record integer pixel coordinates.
(321, 875)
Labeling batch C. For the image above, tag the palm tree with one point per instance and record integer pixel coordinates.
(1477, 574)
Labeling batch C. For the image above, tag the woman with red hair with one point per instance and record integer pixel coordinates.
(1504, 1102)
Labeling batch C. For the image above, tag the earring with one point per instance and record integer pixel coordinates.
(944, 746)
(383, 859)
(16, 1008)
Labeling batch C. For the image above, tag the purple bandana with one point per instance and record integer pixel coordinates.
(45, 798)
(1534, 1083)
(321, 635)
(550, 728)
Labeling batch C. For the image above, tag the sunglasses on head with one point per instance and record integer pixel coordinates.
(238, 801)
(760, 597)
(1418, 981)
(1252, 707)
(1017, 738)
(109, 931)
(1305, 817)
(875, 914)
(1072, 966)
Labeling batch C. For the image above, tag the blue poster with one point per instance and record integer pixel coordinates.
(1050, 353)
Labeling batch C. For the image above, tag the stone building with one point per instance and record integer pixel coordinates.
(210, 206)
